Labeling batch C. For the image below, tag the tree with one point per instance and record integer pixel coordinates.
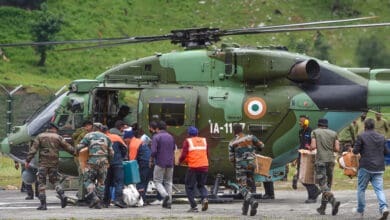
(45, 28)
(371, 52)
(321, 47)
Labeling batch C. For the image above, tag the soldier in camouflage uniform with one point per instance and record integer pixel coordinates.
(77, 136)
(100, 152)
(241, 153)
(326, 143)
(48, 144)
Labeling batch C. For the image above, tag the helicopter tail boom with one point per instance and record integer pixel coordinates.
(379, 88)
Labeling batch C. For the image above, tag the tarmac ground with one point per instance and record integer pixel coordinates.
(288, 204)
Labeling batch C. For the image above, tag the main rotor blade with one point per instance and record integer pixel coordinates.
(310, 23)
(109, 45)
(281, 30)
(129, 40)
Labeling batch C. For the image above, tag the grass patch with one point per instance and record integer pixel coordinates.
(8, 174)
(340, 181)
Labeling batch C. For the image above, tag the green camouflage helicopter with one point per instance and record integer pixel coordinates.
(264, 89)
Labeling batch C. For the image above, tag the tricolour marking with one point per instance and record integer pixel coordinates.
(255, 108)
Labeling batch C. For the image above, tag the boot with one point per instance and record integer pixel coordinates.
(269, 190)
(321, 209)
(120, 203)
(245, 207)
(254, 205)
(36, 190)
(335, 205)
(94, 201)
(63, 198)
(295, 182)
(29, 196)
(23, 187)
(30, 192)
(43, 206)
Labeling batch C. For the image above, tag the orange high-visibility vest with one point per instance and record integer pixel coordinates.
(115, 138)
(134, 144)
(197, 152)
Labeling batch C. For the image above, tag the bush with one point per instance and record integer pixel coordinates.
(371, 52)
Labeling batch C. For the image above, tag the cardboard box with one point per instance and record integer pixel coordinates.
(262, 165)
(83, 158)
(306, 167)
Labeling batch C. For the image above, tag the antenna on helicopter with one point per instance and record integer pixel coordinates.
(203, 37)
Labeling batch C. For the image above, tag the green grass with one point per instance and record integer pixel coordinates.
(157, 17)
(340, 182)
(8, 174)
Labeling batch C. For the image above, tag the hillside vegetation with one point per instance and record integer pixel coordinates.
(108, 19)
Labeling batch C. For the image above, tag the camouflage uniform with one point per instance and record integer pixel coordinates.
(324, 165)
(77, 136)
(100, 152)
(48, 144)
(241, 153)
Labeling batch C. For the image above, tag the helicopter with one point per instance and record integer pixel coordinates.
(265, 89)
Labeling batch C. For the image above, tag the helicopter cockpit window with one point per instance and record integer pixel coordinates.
(148, 67)
(62, 121)
(39, 123)
(69, 122)
(170, 110)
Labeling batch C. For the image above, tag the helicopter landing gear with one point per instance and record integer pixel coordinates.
(213, 197)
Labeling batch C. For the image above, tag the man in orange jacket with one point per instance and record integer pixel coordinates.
(195, 153)
(133, 143)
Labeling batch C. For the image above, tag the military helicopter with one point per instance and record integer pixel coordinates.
(265, 89)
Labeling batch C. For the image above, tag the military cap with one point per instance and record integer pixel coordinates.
(323, 122)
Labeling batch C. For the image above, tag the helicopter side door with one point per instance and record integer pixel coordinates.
(176, 106)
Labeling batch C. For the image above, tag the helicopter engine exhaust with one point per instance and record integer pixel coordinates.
(305, 71)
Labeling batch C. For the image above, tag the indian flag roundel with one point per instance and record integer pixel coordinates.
(255, 108)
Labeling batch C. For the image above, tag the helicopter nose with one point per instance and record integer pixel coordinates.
(5, 146)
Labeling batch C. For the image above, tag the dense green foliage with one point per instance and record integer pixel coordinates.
(106, 19)
(370, 52)
(44, 28)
